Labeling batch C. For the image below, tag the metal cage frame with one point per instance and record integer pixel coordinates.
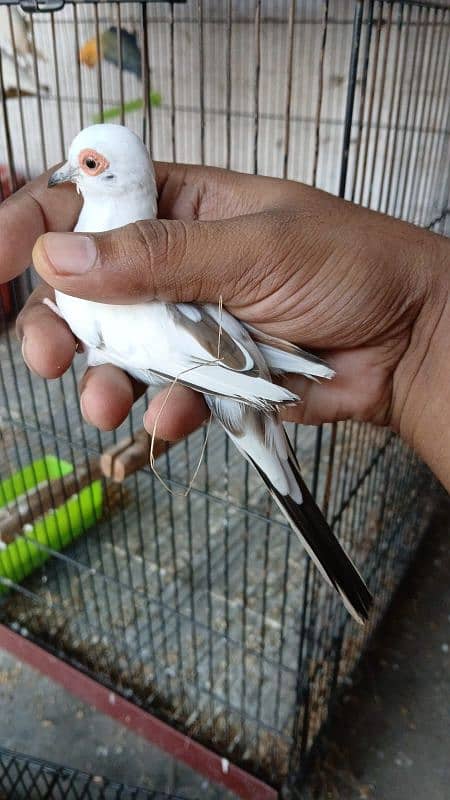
(25, 777)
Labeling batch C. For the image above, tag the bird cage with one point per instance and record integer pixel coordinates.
(202, 609)
(25, 778)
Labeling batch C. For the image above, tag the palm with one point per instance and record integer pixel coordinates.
(360, 327)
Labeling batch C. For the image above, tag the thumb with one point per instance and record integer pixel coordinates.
(170, 260)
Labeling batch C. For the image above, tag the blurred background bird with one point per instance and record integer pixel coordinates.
(112, 41)
(22, 41)
(17, 54)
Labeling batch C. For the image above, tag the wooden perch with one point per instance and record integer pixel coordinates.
(129, 455)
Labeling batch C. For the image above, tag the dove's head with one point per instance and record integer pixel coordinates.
(107, 160)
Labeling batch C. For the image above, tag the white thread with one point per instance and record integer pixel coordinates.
(208, 427)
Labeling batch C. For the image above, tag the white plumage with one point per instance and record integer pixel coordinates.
(157, 342)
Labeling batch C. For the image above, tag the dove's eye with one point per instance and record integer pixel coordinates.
(92, 163)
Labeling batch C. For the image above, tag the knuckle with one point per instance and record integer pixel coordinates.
(20, 322)
(29, 311)
(162, 246)
(282, 228)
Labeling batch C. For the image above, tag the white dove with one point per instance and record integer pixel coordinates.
(157, 342)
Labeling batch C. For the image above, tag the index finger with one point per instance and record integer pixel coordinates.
(29, 213)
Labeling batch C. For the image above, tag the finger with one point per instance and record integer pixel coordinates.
(106, 396)
(166, 259)
(190, 192)
(48, 345)
(26, 215)
(360, 391)
(319, 403)
(174, 413)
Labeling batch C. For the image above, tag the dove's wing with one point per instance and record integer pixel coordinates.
(282, 356)
(198, 346)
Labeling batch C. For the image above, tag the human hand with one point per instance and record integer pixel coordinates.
(363, 290)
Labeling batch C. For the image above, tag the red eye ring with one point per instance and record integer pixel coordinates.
(92, 163)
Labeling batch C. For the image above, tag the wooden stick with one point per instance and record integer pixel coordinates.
(108, 456)
(129, 455)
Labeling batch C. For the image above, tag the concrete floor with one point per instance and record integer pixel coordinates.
(389, 740)
(41, 719)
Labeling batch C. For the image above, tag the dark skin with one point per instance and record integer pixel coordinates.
(368, 293)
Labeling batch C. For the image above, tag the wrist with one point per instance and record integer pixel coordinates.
(421, 385)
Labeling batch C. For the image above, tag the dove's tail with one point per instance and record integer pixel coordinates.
(315, 534)
(261, 438)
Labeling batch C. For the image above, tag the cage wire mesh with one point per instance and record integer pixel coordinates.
(204, 609)
(25, 778)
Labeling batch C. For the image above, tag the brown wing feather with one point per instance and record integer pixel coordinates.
(207, 333)
(281, 344)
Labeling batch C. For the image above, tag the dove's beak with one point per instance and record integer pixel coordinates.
(62, 175)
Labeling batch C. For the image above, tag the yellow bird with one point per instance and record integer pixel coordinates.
(88, 54)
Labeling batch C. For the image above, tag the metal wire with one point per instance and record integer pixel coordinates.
(204, 609)
(24, 777)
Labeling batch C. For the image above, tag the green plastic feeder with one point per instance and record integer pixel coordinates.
(57, 529)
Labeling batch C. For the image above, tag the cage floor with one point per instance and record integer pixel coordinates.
(192, 605)
(149, 583)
